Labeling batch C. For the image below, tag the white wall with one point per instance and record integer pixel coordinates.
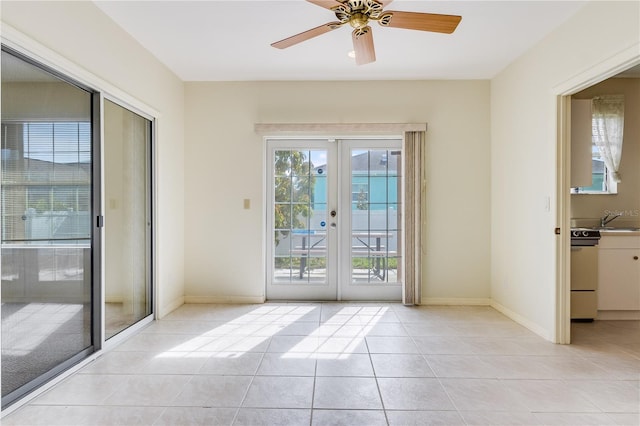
(523, 154)
(82, 34)
(224, 165)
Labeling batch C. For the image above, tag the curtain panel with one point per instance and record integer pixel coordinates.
(414, 151)
(608, 130)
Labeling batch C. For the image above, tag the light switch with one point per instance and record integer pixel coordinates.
(247, 203)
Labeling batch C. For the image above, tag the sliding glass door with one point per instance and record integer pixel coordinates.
(76, 223)
(47, 227)
(127, 229)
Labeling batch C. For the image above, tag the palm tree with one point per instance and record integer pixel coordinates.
(293, 190)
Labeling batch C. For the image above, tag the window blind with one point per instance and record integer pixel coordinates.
(46, 181)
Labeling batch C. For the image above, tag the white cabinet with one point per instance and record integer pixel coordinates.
(581, 143)
(619, 273)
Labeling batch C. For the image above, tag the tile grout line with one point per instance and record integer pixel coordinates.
(313, 391)
(457, 410)
(244, 397)
(375, 377)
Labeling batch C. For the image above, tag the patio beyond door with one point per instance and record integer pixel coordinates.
(334, 225)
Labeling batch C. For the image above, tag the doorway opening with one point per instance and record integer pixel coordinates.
(572, 215)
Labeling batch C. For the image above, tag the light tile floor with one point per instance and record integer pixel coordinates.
(350, 364)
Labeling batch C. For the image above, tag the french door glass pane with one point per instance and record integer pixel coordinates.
(299, 215)
(375, 186)
(127, 218)
(46, 224)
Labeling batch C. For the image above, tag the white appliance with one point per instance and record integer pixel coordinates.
(584, 274)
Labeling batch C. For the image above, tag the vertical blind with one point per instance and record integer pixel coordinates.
(413, 197)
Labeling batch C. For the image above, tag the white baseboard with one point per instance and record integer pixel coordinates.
(225, 299)
(618, 315)
(540, 331)
(170, 307)
(455, 301)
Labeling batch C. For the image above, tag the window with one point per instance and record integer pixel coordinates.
(601, 177)
(607, 124)
(46, 181)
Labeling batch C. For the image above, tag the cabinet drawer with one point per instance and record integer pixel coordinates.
(583, 304)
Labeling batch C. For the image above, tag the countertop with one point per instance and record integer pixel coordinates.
(620, 232)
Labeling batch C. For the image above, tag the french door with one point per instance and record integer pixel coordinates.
(334, 224)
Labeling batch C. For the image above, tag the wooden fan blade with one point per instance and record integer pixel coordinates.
(424, 21)
(363, 45)
(299, 38)
(327, 4)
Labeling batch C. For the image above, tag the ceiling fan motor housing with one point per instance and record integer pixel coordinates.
(358, 12)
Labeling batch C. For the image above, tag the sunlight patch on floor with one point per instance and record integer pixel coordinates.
(337, 337)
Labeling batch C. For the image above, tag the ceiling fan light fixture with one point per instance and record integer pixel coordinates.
(358, 20)
(351, 54)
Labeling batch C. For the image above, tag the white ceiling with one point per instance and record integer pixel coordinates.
(230, 40)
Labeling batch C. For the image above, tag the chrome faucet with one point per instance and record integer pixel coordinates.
(608, 218)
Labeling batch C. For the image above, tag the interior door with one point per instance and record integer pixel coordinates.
(333, 219)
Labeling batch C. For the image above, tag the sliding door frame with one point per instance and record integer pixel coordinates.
(25, 48)
(97, 240)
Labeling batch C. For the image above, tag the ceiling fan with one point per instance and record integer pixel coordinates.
(358, 13)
